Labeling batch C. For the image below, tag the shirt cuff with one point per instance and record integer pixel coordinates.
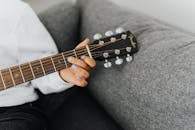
(51, 83)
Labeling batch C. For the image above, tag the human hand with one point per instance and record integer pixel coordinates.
(79, 72)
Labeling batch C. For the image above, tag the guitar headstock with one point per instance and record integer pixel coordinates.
(114, 46)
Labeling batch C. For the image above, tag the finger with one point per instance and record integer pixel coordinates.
(80, 72)
(90, 62)
(78, 62)
(80, 81)
(84, 43)
(69, 76)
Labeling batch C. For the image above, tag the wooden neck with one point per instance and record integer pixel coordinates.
(99, 49)
(19, 74)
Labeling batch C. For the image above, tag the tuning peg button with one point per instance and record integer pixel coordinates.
(101, 42)
(124, 36)
(118, 61)
(107, 64)
(129, 58)
(113, 39)
(109, 33)
(119, 30)
(128, 49)
(97, 36)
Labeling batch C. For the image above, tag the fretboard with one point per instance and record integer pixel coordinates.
(19, 74)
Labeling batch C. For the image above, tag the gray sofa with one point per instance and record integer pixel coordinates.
(154, 92)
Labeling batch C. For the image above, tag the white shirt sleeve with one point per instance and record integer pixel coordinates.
(34, 43)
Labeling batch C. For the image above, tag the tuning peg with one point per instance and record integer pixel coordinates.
(97, 36)
(107, 64)
(128, 49)
(119, 30)
(109, 33)
(118, 60)
(129, 58)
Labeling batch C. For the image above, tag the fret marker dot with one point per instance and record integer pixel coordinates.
(16, 75)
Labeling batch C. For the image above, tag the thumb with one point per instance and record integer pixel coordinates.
(83, 43)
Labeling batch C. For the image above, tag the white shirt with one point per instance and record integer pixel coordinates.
(23, 38)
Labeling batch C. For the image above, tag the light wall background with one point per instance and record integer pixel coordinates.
(179, 13)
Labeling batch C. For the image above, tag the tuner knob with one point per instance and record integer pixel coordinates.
(118, 61)
(129, 58)
(128, 49)
(117, 51)
(107, 64)
(97, 36)
(109, 33)
(119, 30)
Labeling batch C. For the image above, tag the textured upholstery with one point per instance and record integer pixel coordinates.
(157, 90)
(75, 109)
(62, 20)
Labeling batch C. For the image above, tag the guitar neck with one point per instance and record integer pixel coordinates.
(102, 49)
(19, 74)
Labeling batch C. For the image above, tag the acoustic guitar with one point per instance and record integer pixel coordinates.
(113, 45)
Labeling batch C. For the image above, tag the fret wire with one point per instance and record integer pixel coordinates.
(22, 74)
(12, 77)
(64, 59)
(51, 60)
(16, 75)
(56, 68)
(39, 74)
(7, 78)
(3, 80)
(42, 67)
(75, 53)
(53, 63)
(37, 64)
(31, 70)
(56, 57)
(89, 52)
(20, 69)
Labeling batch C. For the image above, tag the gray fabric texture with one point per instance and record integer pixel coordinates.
(157, 90)
(62, 20)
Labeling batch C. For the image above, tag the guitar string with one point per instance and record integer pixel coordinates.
(57, 56)
(11, 83)
(40, 74)
(94, 56)
(67, 54)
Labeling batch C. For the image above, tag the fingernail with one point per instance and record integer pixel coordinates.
(74, 66)
(82, 57)
(79, 78)
(69, 59)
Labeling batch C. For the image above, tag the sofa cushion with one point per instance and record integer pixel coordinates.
(157, 90)
(61, 20)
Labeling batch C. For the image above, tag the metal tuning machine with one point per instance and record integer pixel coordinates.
(107, 63)
(118, 60)
(129, 58)
(119, 30)
(97, 36)
(109, 33)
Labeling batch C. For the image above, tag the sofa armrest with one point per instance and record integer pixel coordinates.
(62, 21)
(154, 92)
